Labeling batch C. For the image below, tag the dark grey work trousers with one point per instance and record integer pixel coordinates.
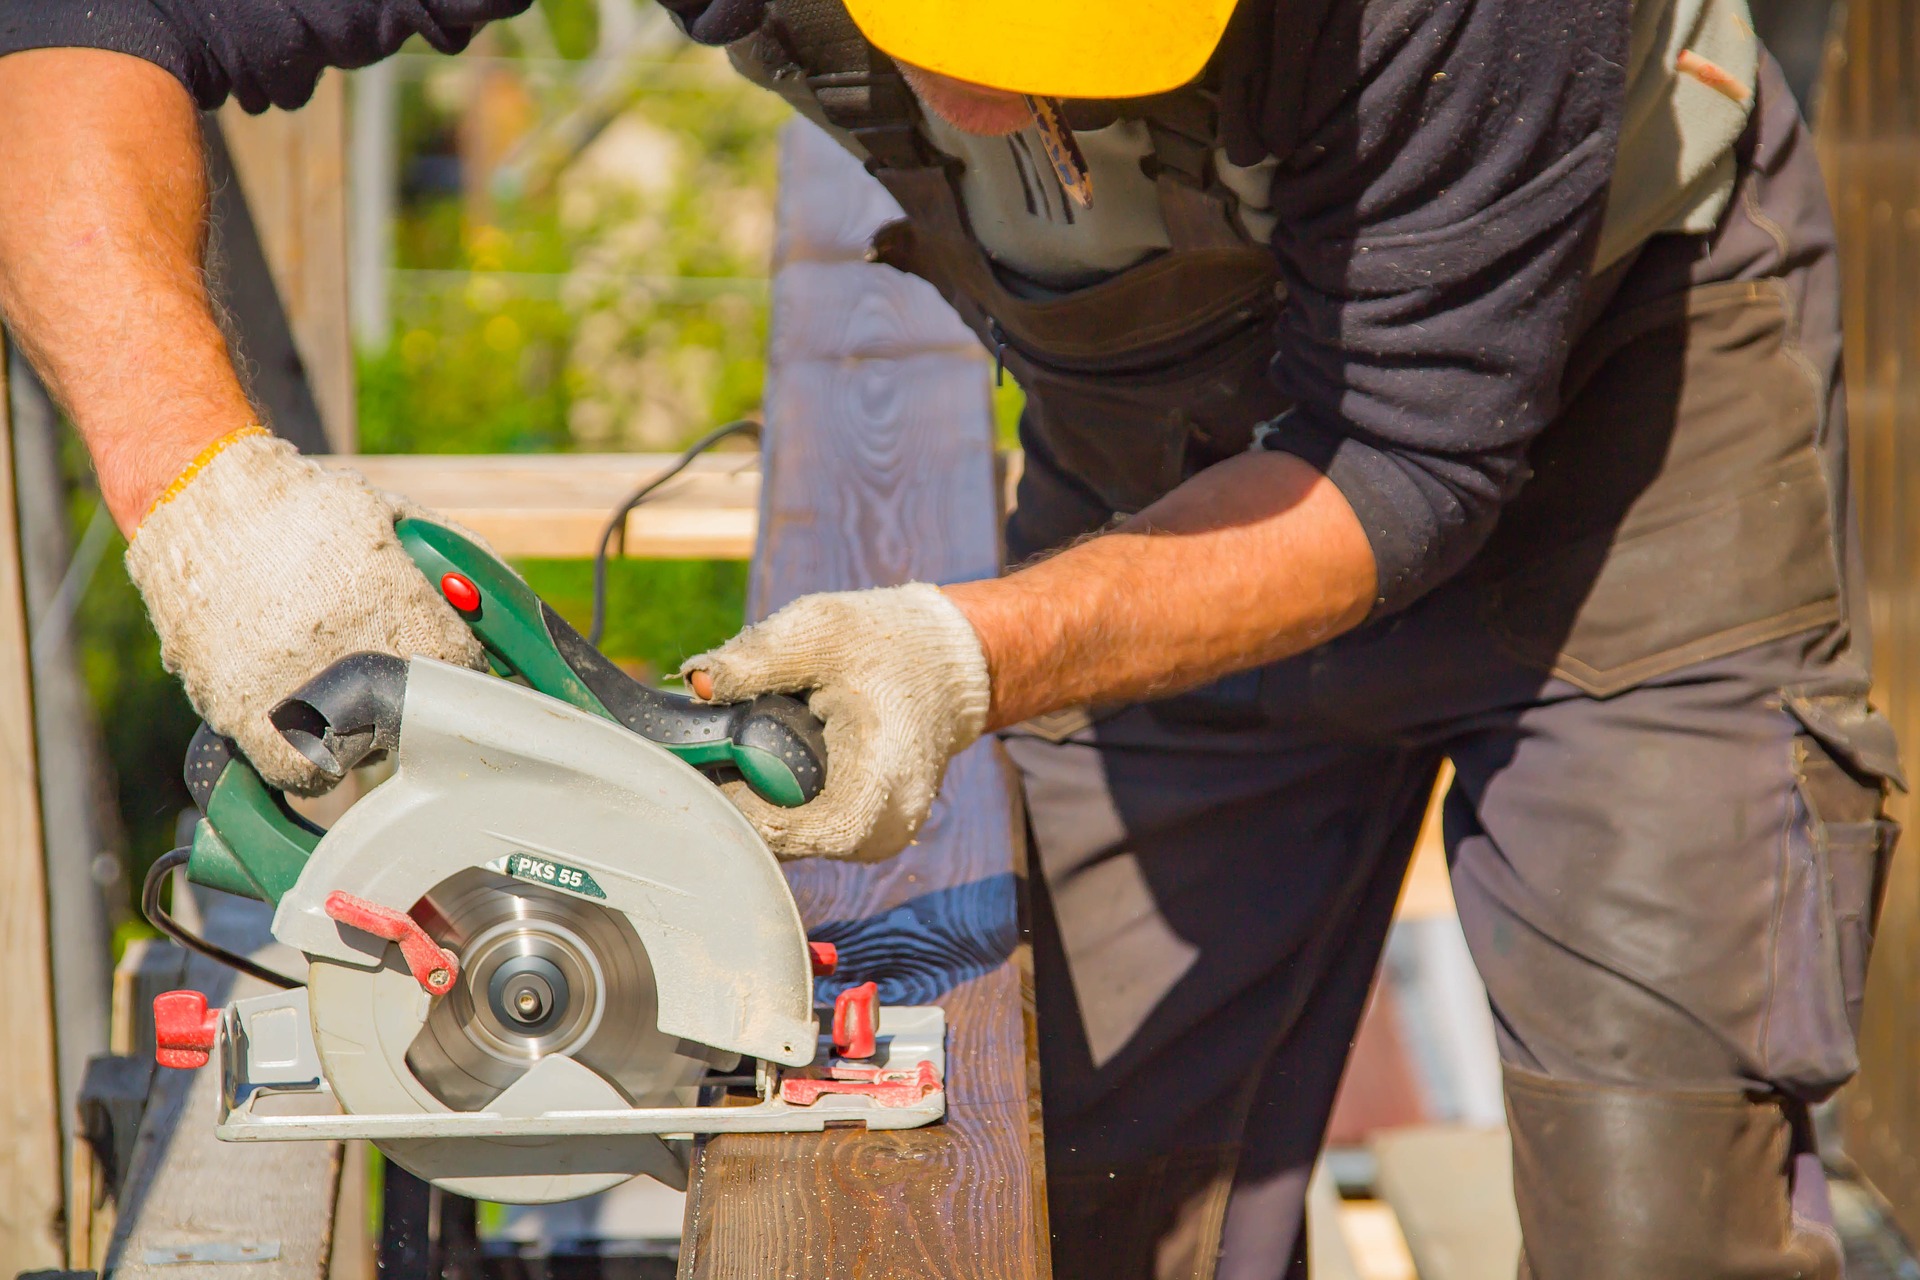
(1665, 832)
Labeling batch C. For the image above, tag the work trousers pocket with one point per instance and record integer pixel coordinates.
(1679, 509)
(1835, 858)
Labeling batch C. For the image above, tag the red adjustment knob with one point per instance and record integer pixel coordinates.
(825, 957)
(183, 1029)
(432, 965)
(856, 1021)
(460, 592)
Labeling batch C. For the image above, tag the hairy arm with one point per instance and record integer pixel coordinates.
(1253, 560)
(102, 222)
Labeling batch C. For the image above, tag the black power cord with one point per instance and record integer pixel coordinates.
(150, 906)
(616, 527)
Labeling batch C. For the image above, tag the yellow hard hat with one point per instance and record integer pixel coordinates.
(1054, 48)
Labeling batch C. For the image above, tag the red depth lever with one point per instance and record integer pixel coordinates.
(432, 965)
(183, 1029)
(856, 1021)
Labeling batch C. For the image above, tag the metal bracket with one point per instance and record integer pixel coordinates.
(273, 1090)
(212, 1251)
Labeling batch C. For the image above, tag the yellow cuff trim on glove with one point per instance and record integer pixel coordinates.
(198, 465)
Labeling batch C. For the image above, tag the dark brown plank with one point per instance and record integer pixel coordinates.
(879, 469)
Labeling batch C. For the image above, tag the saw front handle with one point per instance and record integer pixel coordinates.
(773, 743)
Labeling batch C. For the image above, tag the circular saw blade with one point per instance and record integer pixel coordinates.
(541, 972)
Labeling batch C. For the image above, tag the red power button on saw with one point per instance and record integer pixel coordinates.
(183, 1029)
(460, 592)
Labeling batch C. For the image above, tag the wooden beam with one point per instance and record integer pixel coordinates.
(554, 506)
(1869, 143)
(291, 167)
(31, 1186)
(880, 469)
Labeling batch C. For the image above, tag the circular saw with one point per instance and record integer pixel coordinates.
(547, 951)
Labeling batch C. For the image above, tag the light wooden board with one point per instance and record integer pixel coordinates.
(555, 505)
(879, 470)
(1452, 1190)
(187, 1188)
(1374, 1241)
(1329, 1254)
(1428, 890)
(31, 1185)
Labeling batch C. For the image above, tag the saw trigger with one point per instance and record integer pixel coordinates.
(433, 966)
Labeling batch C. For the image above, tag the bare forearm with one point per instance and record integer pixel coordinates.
(1253, 560)
(102, 220)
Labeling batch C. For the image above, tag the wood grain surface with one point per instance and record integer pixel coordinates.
(186, 1188)
(31, 1234)
(879, 469)
(1868, 132)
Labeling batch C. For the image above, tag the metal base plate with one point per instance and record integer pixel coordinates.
(274, 1091)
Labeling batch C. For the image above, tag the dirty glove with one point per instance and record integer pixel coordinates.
(898, 678)
(260, 568)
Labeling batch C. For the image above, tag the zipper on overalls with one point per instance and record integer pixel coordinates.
(999, 337)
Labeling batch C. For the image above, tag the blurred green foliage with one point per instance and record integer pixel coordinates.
(473, 368)
(574, 25)
(658, 611)
(614, 297)
(1008, 402)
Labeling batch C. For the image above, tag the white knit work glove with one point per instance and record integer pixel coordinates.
(898, 678)
(261, 568)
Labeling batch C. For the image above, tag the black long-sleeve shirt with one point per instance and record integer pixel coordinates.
(1443, 175)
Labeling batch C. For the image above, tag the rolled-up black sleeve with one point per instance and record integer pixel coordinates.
(1444, 173)
(264, 53)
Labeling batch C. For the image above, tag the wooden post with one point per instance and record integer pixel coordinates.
(291, 168)
(78, 825)
(879, 469)
(31, 1196)
(1869, 141)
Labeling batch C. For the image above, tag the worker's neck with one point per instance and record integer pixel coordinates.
(970, 108)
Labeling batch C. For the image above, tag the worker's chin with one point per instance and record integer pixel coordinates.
(970, 108)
